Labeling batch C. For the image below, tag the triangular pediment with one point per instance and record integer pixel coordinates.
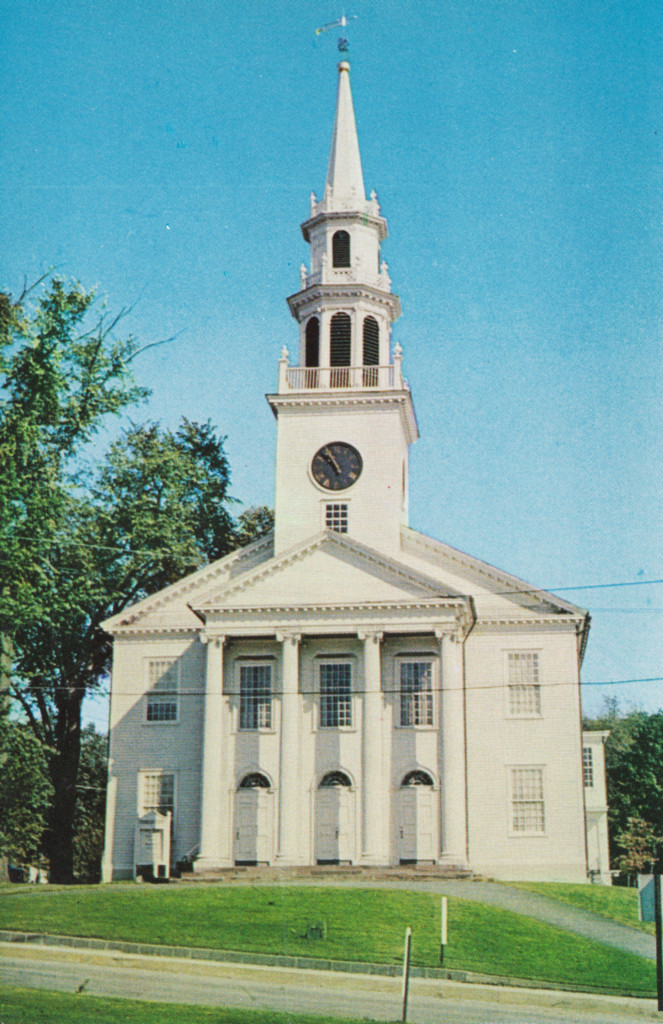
(330, 569)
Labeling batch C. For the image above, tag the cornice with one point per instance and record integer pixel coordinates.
(130, 632)
(345, 215)
(337, 398)
(352, 290)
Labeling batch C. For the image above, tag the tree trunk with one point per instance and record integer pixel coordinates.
(64, 776)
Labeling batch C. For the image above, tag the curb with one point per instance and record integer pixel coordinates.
(305, 963)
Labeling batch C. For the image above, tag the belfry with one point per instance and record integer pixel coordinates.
(347, 690)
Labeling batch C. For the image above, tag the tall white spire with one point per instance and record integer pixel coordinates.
(345, 181)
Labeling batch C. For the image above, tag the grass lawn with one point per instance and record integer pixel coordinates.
(616, 902)
(365, 925)
(26, 1006)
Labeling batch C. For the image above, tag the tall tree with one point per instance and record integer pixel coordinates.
(25, 793)
(634, 775)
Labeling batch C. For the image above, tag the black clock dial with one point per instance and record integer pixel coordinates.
(336, 466)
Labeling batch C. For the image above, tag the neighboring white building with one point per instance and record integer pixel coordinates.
(348, 690)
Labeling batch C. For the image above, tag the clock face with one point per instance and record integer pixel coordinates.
(336, 466)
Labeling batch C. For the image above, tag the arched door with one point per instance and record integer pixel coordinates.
(334, 820)
(253, 841)
(417, 834)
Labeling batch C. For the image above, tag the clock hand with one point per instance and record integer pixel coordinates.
(327, 455)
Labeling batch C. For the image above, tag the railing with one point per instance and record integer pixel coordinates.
(321, 378)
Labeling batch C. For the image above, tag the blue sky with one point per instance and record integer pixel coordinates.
(165, 152)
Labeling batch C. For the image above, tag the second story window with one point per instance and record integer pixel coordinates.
(336, 517)
(416, 692)
(335, 695)
(341, 249)
(158, 792)
(588, 767)
(162, 697)
(524, 688)
(255, 696)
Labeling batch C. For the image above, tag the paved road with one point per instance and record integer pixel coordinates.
(431, 1002)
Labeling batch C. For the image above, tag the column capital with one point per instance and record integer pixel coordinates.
(450, 633)
(213, 639)
(289, 637)
(375, 635)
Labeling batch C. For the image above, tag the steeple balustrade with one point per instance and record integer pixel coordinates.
(322, 378)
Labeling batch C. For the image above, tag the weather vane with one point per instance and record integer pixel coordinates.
(343, 43)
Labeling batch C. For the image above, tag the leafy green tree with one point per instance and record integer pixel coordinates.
(90, 811)
(640, 843)
(634, 775)
(25, 793)
(253, 523)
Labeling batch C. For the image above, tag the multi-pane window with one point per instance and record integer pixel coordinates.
(335, 694)
(524, 688)
(158, 792)
(336, 517)
(588, 767)
(163, 685)
(527, 809)
(255, 696)
(416, 691)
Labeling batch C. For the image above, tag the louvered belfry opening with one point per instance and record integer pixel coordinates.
(340, 349)
(371, 352)
(341, 249)
(313, 342)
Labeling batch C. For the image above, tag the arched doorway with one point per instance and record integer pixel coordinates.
(253, 840)
(334, 819)
(418, 830)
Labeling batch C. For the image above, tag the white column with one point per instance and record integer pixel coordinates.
(452, 724)
(372, 817)
(211, 809)
(289, 774)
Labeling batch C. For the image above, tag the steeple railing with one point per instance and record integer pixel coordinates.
(329, 378)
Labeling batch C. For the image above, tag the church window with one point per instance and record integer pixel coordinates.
(312, 354)
(588, 767)
(341, 249)
(371, 353)
(162, 697)
(158, 792)
(416, 692)
(255, 696)
(333, 779)
(340, 349)
(417, 778)
(524, 688)
(335, 695)
(255, 780)
(336, 517)
(527, 806)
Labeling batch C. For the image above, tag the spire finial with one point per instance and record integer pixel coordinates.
(341, 22)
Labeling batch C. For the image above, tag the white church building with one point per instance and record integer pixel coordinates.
(347, 690)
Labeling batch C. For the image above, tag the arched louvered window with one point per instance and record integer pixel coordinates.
(371, 341)
(341, 249)
(313, 342)
(417, 778)
(255, 780)
(340, 340)
(335, 779)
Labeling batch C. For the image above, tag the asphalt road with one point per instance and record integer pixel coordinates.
(183, 981)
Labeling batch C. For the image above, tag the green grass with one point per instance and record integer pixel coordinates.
(27, 1006)
(616, 902)
(365, 925)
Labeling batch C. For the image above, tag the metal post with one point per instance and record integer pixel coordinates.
(443, 927)
(659, 941)
(406, 970)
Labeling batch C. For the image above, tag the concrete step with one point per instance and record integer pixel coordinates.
(263, 873)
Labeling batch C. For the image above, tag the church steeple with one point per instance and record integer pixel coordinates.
(345, 415)
(345, 181)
